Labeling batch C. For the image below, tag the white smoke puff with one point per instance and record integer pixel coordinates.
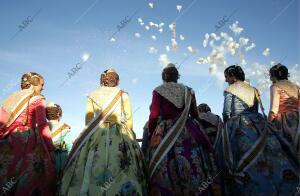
(152, 50)
(243, 41)
(232, 51)
(211, 43)
(213, 69)
(112, 39)
(147, 27)
(181, 37)
(272, 62)
(137, 35)
(178, 7)
(190, 48)
(153, 37)
(266, 52)
(236, 46)
(235, 28)
(206, 36)
(161, 30)
(161, 25)
(202, 61)
(151, 5)
(151, 24)
(168, 48)
(224, 35)
(164, 60)
(214, 36)
(243, 63)
(205, 43)
(171, 26)
(142, 24)
(217, 56)
(248, 48)
(156, 25)
(140, 20)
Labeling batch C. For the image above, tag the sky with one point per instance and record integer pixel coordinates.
(70, 43)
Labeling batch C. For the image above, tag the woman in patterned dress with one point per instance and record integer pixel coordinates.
(254, 160)
(181, 157)
(285, 106)
(59, 134)
(26, 148)
(106, 159)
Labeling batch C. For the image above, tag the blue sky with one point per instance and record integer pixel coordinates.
(62, 31)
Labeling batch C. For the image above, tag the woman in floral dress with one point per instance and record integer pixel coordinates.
(106, 159)
(26, 148)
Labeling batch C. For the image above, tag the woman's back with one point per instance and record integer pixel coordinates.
(106, 158)
(99, 99)
(240, 98)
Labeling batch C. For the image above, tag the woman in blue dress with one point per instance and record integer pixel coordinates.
(253, 157)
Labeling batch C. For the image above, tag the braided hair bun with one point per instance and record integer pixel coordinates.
(235, 71)
(30, 78)
(53, 112)
(279, 71)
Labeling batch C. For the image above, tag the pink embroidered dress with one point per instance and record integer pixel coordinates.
(26, 148)
(284, 111)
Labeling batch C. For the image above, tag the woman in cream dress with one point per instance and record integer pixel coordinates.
(106, 159)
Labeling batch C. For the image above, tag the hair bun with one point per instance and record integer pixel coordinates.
(279, 71)
(236, 71)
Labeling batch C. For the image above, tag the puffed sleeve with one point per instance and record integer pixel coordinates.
(274, 104)
(89, 111)
(154, 113)
(127, 110)
(227, 106)
(41, 122)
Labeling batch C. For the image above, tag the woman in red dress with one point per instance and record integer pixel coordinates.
(181, 160)
(26, 148)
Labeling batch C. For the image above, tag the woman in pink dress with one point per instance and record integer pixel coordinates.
(285, 106)
(26, 148)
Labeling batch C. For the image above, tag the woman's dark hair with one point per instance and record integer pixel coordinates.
(30, 78)
(279, 71)
(203, 107)
(53, 113)
(109, 78)
(235, 71)
(170, 74)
